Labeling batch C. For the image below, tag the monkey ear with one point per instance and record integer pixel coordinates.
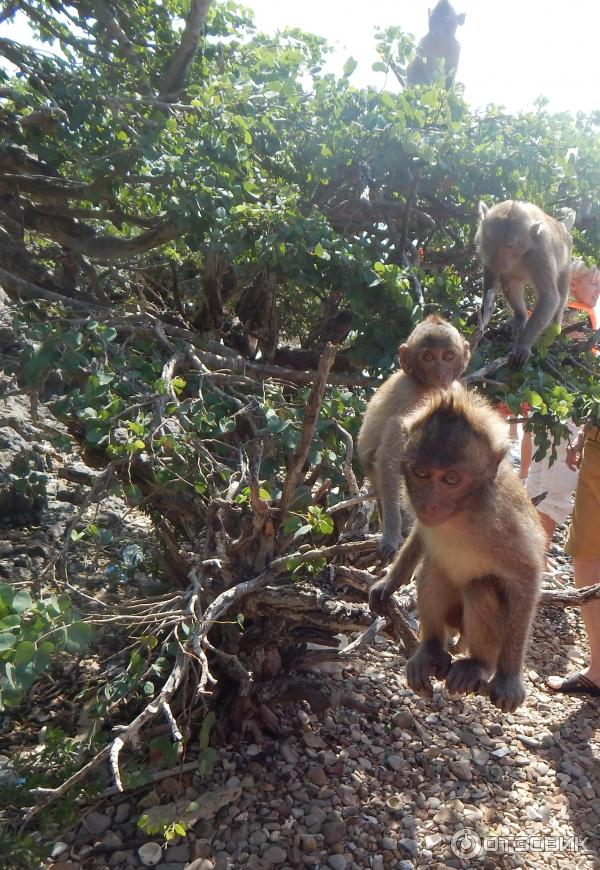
(536, 229)
(483, 209)
(467, 350)
(460, 19)
(403, 354)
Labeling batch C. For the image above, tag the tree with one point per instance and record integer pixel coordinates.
(193, 218)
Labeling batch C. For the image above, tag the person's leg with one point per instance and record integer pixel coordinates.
(586, 572)
(549, 525)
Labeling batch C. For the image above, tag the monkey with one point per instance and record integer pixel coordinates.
(434, 355)
(438, 44)
(478, 547)
(520, 244)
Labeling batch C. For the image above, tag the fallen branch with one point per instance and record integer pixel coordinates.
(570, 597)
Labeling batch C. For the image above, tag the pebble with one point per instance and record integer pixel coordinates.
(275, 855)
(333, 832)
(396, 762)
(337, 862)
(409, 846)
(150, 854)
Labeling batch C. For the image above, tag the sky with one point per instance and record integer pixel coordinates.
(512, 51)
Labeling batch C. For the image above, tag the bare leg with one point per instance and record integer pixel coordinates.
(586, 573)
(548, 524)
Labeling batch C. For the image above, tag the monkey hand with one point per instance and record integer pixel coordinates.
(430, 660)
(519, 356)
(466, 676)
(507, 692)
(379, 596)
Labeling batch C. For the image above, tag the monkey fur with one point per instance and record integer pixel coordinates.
(477, 544)
(434, 355)
(438, 45)
(520, 244)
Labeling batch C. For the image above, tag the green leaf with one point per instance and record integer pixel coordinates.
(349, 67)
(7, 640)
(22, 601)
(77, 636)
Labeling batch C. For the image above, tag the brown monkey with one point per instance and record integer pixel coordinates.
(479, 545)
(434, 355)
(438, 44)
(520, 244)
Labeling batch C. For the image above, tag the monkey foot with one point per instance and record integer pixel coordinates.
(507, 692)
(430, 660)
(465, 677)
(386, 550)
(518, 357)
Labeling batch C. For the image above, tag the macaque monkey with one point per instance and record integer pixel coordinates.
(433, 356)
(520, 244)
(438, 44)
(478, 547)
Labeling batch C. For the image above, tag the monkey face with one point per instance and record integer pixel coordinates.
(437, 493)
(437, 366)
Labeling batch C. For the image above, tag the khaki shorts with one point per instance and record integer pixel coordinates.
(584, 534)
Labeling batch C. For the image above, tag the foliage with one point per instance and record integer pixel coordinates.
(31, 633)
(181, 233)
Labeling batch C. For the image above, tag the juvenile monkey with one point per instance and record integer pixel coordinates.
(478, 544)
(433, 356)
(520, 244)
(438, 44)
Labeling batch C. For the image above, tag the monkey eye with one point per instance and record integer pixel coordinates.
(428, 356)
(449, 354)
(420, 472)
(452, 478)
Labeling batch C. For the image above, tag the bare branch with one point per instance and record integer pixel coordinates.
(570, 597)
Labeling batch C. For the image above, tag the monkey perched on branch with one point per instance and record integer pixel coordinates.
(520, 244)
(478, 544)
(433, 356)
(438, 45)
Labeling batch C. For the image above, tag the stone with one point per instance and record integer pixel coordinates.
(150, 854)
(200, 864)
(333, 832)
(308, 843)
(403, 719)
(122, 813)
(461, 770)
(390, 844)
(274, 855)
(96, 823)
(409, 846)
(337, 862)
(317, 776)
(396, 762)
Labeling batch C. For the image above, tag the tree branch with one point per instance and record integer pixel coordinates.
(83, 239)
(179, 64)
(308, 427)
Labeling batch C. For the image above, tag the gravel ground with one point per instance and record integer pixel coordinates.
(391, 787)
